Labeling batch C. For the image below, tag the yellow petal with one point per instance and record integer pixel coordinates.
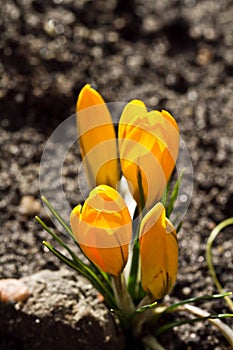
(149, 143)
(103, 229)
(97, 138)
(158, 252)
(89, 97)
(134, 108)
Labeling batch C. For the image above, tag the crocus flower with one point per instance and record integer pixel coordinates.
(148, 143)
(158, 252)
(97, 138)
(103, 229)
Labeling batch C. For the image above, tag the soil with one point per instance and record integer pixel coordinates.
(172, 54)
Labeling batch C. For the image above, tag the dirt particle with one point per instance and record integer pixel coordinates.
(204, 56)
(29, 206)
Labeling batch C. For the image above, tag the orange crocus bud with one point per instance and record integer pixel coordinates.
(103, 229)
(149, 144)
(97, 138)
(158, 252)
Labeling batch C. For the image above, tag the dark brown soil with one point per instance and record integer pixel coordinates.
(174, 54)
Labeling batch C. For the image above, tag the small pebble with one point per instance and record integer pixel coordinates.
(186, 291)
(13, 290)
(29, 206)
(204, 56)
(100, 297)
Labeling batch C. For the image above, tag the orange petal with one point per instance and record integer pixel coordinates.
(97, 138)
(103, 229)
(158, 252)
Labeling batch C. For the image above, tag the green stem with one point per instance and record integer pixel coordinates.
(134, 285)
(123, 298)
(151, 343)
(133, 275)
(210, 241)
(144, 312)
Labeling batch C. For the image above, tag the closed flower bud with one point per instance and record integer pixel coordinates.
(97, 138)
(158, 252)
(148, 143)
(103, 229)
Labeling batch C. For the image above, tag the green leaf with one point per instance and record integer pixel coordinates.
(55, 237)
(174, 306)
(92, 274)
(69, 231)
(210, 241)
(171, 325)
(146, 307)
(174, 194)
(179, 226)
(141, 192)
(84, 270)
(164, 197)
(58, 217)
(165, 194)
(66, 260)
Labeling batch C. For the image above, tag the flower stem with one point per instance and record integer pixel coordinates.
(151, 343)
(123, 298)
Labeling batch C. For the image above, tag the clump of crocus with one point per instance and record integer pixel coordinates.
(148, 145)
(132, 270)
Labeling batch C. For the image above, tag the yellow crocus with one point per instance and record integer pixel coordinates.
(158, 253)
(103, 229)
(148, 143)
(97, 138)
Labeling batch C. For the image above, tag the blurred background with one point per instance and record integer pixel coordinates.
(172, 54)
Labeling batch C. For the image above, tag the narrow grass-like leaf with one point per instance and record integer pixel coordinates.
(58, 217)
(210, 241)
(175, 306)
(146, 307)
(179, 226)
(165, 195)
(141, 192)
(171, 325)
(78, 262)
(66, 260)
(226, 331)
(86, 272)
(174, 194)
(81, 266)
(55, 237)
(69, 231)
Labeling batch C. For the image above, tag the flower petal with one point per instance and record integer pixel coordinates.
(103, 229)
(149, 143)
(97, 138)
(158, 252)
